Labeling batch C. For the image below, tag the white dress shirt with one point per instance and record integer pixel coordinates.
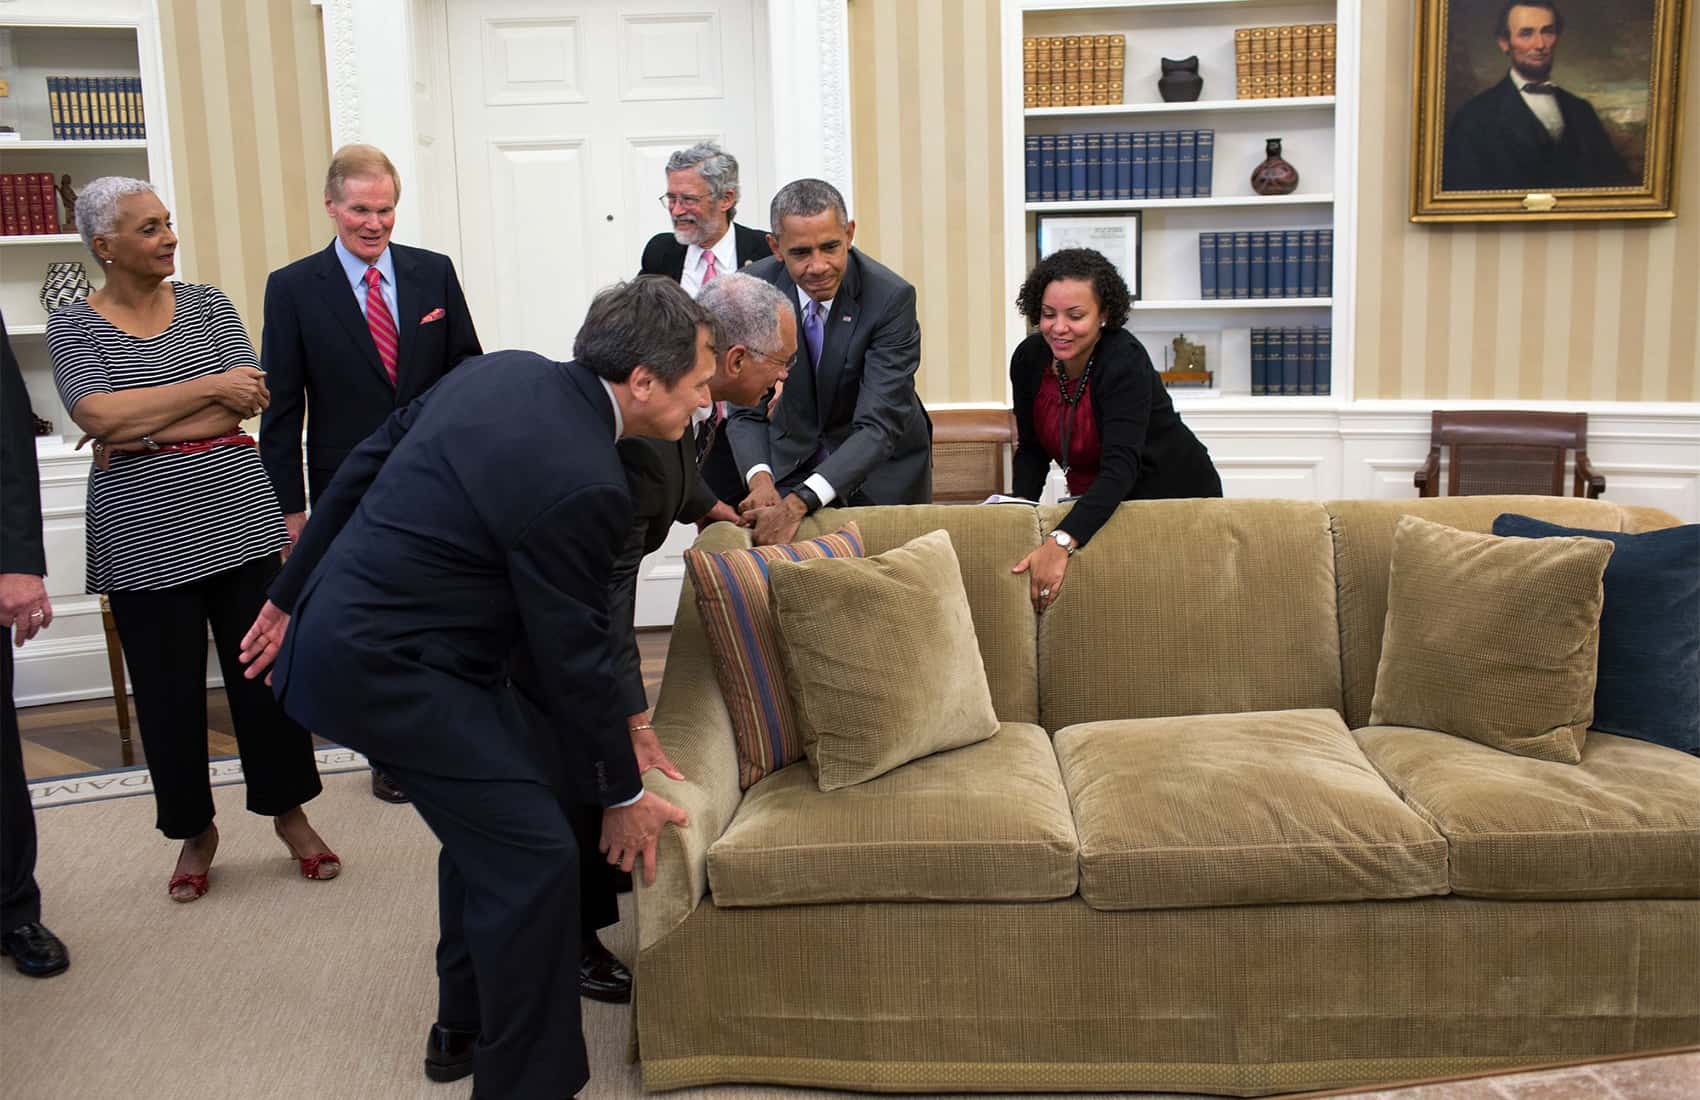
(696, 263)
(1544, 106)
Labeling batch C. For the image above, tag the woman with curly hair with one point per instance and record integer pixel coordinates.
(1088, 398)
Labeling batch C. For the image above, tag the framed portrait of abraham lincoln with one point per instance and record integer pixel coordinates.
(1543, 110)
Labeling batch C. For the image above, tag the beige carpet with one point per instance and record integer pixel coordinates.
(270, 986)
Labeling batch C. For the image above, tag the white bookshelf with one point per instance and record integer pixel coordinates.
(1319, 138)
(92, 38)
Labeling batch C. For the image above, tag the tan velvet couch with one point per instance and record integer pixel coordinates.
(1185, 862)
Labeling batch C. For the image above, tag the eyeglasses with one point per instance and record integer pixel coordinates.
(687, 202)
(754, 354)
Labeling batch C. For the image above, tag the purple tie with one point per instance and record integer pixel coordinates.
(812, 330)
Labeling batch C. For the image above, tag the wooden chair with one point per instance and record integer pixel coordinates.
(1499, 452)
(970, 454)
(120, 695)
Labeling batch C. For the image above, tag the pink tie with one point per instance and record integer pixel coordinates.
(709, 271)
(379, 321)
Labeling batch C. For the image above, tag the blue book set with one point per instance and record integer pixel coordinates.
(1270, 263)
(1108, 166)
(1292, 361)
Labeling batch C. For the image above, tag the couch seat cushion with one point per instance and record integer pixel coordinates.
(988, 822)
(1623, 823)
(1239, 809)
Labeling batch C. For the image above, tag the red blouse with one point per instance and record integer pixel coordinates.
(1085, 448)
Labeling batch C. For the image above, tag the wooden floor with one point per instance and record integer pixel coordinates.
(73, 738)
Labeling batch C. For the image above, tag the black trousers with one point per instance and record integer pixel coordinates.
(598, 900)
(164, 632)
(20, 898)
(508, 916)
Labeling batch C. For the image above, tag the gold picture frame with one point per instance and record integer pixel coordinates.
(1611, 93)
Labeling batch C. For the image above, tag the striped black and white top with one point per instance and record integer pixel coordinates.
(159, 520)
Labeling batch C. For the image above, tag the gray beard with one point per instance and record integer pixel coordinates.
(687, 237)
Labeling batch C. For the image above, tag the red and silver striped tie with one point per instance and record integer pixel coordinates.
(380, 322)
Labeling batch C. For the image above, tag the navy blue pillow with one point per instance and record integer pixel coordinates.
(1649, 684)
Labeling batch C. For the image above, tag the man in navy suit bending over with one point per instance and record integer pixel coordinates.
(352, 333)
(480, 523)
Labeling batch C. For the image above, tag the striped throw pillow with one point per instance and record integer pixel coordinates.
(732, 599)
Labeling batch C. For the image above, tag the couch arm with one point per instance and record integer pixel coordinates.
(695, 730)
(1644, 517)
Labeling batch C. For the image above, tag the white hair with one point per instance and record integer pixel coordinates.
(97, 206)
(747, 309)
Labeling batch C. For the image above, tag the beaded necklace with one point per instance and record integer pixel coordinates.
(1070, 401)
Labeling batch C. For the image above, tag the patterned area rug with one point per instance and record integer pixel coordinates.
(224, 771)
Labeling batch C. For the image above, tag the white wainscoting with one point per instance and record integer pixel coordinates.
(1649, 454)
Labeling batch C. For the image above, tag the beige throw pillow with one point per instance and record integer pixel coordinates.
(1493, 639)
(881, 659)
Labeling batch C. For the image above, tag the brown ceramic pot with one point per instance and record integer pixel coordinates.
(1274, 176)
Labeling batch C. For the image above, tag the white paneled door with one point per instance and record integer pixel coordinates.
(565, 113)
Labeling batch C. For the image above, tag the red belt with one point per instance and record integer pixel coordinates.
(194, 446)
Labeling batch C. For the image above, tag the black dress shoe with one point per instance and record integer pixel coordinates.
(601, 976)
(383, 787)
(36, 951)
(448, 1052)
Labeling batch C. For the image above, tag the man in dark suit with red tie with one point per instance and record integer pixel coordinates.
(352, 333)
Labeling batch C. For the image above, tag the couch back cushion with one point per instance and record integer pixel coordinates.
(1363, 550)
(988, 540)
(1192, 607)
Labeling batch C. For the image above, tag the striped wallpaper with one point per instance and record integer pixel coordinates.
(926, 148)
(1444, 311)
(250, 138)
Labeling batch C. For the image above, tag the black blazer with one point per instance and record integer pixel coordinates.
(863, 404)
(319, 358)
(1496, 143)
(666, 489)
(664, 255)
(454, 548)
(1148, 454)
(20, 482)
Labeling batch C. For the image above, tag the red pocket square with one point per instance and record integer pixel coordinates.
(435, 315)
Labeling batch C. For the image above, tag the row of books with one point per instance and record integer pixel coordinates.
(29, 206)
(1292, 361)
(1278, 62)
(1156, 164)
(1270, 263)
(1075, 70)
(96, 108)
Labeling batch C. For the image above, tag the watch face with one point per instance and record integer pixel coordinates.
(1063, 539)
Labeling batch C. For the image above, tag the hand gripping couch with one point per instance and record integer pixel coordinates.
(1186, 861)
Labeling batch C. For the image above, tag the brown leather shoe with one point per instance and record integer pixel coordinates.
(383, 787)
(601, 976)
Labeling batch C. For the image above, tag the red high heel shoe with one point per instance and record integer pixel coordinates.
(197, 884)
(321, 867)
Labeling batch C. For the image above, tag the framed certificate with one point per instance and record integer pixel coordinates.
(1115, 236)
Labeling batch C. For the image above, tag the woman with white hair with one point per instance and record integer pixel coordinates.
(183, 527)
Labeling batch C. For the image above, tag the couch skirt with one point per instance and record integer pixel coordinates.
(1059, 997)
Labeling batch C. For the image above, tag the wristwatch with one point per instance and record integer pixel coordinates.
(1066, 541)
(808, 497)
